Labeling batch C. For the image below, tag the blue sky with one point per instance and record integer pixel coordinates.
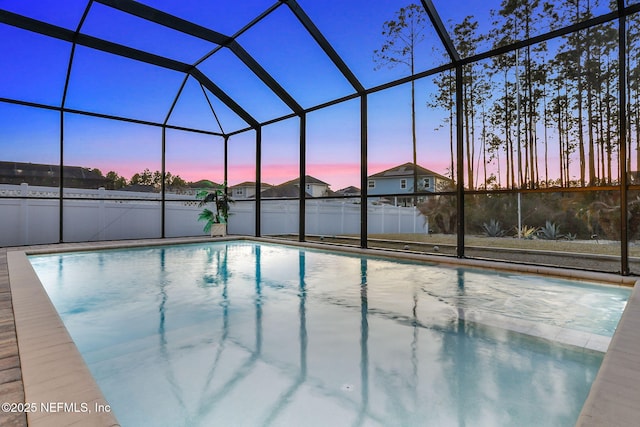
(35, 67)
(104, 83)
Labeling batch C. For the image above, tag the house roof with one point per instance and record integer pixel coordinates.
(251, 184)
(43, 174)
(308, 179)
(406, 170)
(288, 189)
(292, 188)
(351, 190)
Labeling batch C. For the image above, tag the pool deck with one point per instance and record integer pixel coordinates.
(11, 388)
(39, 363)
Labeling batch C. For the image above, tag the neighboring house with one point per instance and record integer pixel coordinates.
(313, 187)
(351, 194)
(350, 191)
(399, 179)
(49, 175)
(246, 190)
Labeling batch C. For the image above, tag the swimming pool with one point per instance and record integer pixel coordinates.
(254, 334)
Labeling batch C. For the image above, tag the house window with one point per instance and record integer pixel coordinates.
(308, 186)
(403, 183)
(372, 184)
(426, 182)
(238, 191)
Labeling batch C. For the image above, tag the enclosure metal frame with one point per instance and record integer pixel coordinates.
(359, 92)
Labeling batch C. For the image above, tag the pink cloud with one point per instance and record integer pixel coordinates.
(278, 173)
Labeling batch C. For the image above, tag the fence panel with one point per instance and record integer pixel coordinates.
(92, 215)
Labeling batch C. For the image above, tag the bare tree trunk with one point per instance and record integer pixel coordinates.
(469, 138)
(560, 139)
(518, 125)
(484, 147)
(636, 104)
(473, 127)
(605, 130)
(637, 107)
(413, 136)
(590, 121)
(546, 138)
(530, 119)
(636, 115)
(579, 99)
(567, 138)
(507, 133)
(524, 108)
(451, 126)
(603, 136)
(590, 116)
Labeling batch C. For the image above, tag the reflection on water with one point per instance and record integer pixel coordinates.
(243, 334)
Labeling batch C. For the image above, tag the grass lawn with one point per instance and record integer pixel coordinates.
(577, 246)
(562, 253)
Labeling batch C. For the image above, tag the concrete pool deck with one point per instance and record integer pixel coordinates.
(39, 363)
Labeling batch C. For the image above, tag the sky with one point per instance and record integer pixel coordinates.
(35, 68)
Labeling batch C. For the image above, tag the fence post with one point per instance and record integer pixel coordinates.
(101, 214)
(320, 211)
(286, 217)
(415, 216)
(24, 212)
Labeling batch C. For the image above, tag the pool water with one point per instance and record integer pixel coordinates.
(247, 334)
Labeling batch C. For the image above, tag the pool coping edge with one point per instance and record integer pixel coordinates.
(591, 276)
(50, 398)
(614, 397)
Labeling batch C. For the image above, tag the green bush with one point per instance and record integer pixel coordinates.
(493, 229)
(550, 231)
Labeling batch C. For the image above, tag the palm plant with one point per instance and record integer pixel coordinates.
(220, 199)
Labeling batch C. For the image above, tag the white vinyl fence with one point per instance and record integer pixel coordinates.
(324, 217)
(91, 215)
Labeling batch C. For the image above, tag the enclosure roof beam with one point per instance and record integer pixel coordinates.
(159, 17)
(60, 33)
(324, 44)
(107, 116)
(117, 49)
(520, 44)
(35, 26)
(441, 30)
(263, 75)
(222, 96)
(186, 27)
(131, 53)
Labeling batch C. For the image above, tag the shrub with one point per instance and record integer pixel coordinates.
(526, 232)
(550, 231)
(493, 229)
